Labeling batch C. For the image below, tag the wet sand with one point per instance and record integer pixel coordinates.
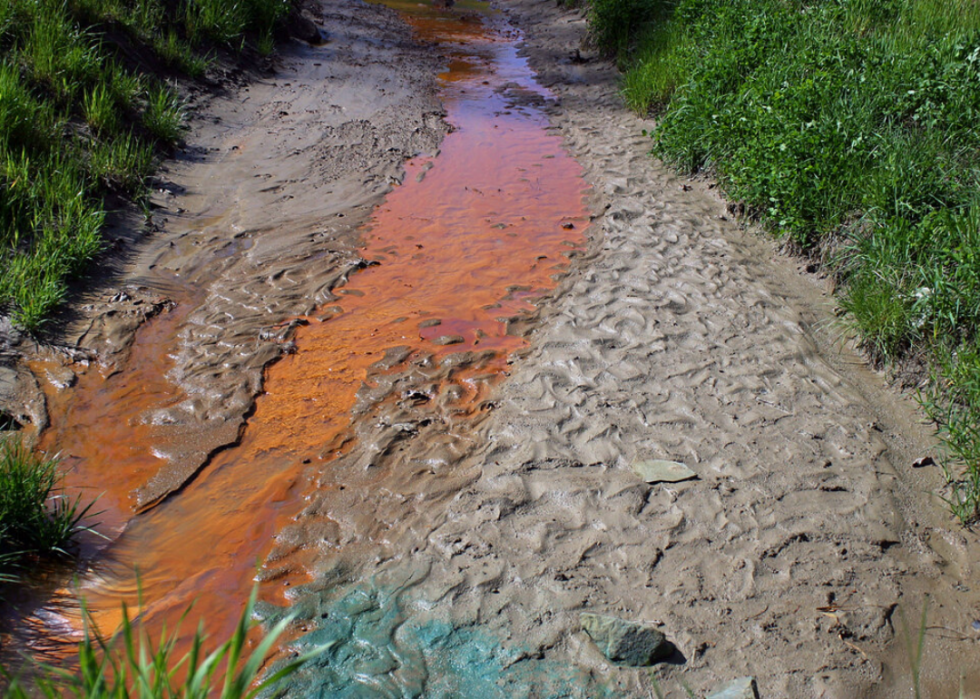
(256, 221)
(793, 557)
(446, 540)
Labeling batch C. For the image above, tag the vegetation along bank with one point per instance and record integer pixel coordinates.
(848, 128)
(86, 105)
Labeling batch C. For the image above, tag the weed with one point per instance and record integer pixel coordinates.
(179, 54)
(100, 109)
(164, 114)
(217, 20)
(125, 87)
(36, 517)
(615, 23)
(24, 119)
(61, 55)
(121, 163)
(131, 665)
(656, 71)
(915, 647)
(266, 43)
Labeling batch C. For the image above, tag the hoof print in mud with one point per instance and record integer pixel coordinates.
(624, 642)
(742, 688)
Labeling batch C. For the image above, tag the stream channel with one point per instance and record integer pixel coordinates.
(474, 235)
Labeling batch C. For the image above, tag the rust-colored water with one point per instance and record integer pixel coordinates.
(471, 237)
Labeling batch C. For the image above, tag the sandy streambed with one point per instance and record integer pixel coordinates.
(449, 266)
(438, 493)
(256, 221)
(794, 557)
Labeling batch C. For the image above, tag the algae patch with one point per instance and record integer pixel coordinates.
(380, 647)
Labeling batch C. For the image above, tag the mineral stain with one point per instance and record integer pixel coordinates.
(379, 644)
(463, 247)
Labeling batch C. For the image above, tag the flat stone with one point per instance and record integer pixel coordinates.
(661, 471)
(430, 323)
(8, 383)
(449, 339)
(626, 642)
(742, 688)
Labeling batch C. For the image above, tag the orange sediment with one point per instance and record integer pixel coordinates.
(469, 240)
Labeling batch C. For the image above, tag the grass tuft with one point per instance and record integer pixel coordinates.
(164, 114)
(122, 163)
(36, 517)
(100, 109)
(130, 665)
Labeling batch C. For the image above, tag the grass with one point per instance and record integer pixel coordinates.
(37, 519)
(848, 128)
(914, 648)
(130, 665)
(84, 114)
(164, 114)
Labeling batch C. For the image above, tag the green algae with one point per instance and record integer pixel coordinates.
(379, 645)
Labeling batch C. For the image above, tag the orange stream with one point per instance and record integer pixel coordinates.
(490, 214)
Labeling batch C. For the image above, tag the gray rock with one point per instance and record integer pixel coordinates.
(742, 688)
(660, 471)
(449, 339)
(430, 323)
(8, 383)
(626, 642)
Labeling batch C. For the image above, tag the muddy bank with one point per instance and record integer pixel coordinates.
(679, 336)
(256, 221)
